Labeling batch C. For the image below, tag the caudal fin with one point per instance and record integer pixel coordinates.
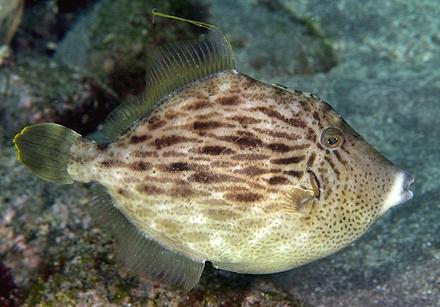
(45, 150)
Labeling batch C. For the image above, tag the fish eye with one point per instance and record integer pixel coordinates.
(331, 138)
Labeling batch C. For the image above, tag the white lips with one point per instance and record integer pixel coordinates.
(399, 192)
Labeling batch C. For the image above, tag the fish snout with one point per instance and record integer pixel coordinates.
(399, 192)
(407, 193)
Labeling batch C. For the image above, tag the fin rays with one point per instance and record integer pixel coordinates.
(175, 66)
(140, 253)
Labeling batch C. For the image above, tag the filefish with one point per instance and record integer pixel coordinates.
(213, 165)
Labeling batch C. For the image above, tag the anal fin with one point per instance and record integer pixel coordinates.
(141, 254)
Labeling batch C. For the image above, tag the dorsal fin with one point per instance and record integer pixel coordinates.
(174, 66)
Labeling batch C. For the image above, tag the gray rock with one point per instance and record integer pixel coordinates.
(270, 40)
(398, 30)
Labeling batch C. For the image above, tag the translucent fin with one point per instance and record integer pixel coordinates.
(44, 149)
(123, 117)
(297, 198)
(141, 254)
(174, 66)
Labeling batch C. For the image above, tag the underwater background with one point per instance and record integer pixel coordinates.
(377, 62)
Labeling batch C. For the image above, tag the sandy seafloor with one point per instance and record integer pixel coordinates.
(376, 61)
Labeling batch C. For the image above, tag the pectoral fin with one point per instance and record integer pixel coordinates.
(299, 197)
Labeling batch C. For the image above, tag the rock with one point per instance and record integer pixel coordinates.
(37, 89)
(114, 40)
(90, 69)
(271, 40)
(400, 31)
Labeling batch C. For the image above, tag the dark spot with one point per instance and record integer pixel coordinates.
(249, 141)
(207, 177)
(245, 140)
(122, 192)
(140, 166)
(111, 163)
(170, 115)
(166, 141)
(311, 135)
(216, 150)
(279, 147)
(316, 116)
(332, 165)
(305, 106)
(338, 156)
(137, 139)
(229, 101)
(295, 122)
(245, 120)
(156, 124)
(278, 180)
(244, 197)
(311, 159)
(197, 105)
(292, 173)
(178, 167)
(144, 154)
(291, 160)
(106, 163)
(199, 125)
(149, 189)
(102, 146)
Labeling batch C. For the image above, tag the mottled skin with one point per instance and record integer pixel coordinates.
(233, 171)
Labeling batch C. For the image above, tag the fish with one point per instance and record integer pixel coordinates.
(213, 165)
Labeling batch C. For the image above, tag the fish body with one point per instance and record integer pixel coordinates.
(209, 174)
(249, 176)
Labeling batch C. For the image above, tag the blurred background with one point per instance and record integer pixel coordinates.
(72, 61)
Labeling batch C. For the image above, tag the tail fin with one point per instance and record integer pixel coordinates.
(44, 149)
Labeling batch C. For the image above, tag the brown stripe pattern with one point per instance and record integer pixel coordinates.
(260, 145)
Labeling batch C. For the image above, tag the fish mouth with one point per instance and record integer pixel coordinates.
(399, 192)
(407, 194)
